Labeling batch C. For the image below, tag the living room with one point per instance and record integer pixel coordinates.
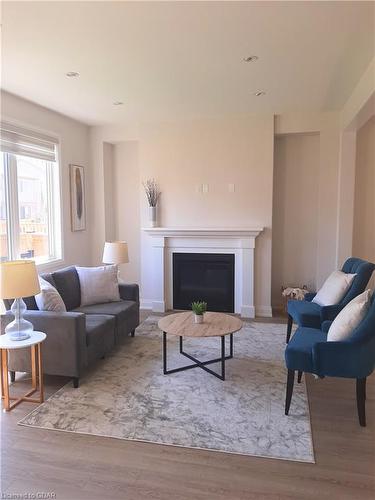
(215, 158)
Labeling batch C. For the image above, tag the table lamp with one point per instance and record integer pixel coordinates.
(115, 252)
(18, 278)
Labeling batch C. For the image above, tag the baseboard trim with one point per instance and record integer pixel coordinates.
(248, 312)
(146, 304)
(263, 311)
(153, 305)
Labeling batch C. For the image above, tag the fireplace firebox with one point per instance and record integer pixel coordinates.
(203, 276)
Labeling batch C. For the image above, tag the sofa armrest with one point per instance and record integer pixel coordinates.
(309, 296)
(129, 291)
(343, 359)
(329, 313)
(64, 350)
(326, 326)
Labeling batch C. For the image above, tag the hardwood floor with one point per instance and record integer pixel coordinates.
(78, 467)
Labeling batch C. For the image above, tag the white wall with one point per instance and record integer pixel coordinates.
(126, 203)
(110, 213)
(364, 200)
(74, 148)
(327, 125)
(295, 215)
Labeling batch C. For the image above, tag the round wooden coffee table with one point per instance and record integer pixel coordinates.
(214, 325)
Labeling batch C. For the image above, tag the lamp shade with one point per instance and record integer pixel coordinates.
(115, 252)
(18, 278)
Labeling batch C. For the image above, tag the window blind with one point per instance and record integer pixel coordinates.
(25, 142)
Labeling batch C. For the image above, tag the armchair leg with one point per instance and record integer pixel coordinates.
(361, 398)
(289, 328)
(289, 390)
(299, 376)
(75, 382)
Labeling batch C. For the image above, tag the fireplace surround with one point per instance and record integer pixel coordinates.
(164, 242)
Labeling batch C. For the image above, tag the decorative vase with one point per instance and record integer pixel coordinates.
(198, 318)
(152, 215)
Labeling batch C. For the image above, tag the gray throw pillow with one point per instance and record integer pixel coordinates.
(98, 284)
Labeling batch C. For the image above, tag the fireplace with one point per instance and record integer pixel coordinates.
(204, 276)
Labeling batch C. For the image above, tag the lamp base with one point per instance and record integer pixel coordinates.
(19, 336)
(19, 328)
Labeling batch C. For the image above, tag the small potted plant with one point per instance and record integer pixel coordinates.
(199, 308)
(152, 194)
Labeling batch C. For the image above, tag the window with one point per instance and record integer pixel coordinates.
(30, 226)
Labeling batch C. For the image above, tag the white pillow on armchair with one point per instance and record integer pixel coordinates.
(334, 288)
(98, 284)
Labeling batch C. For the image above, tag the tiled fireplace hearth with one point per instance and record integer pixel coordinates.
(237, 242)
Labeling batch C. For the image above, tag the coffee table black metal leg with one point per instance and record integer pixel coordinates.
(164, 353)
(223, 358)
(197, 362)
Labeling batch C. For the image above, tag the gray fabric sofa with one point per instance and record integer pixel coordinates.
(82, 335)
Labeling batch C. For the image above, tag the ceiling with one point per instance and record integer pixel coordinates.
(184, 59)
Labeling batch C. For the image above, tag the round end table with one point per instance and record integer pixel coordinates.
(6, 345)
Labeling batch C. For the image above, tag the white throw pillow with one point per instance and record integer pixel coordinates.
(98, 284)
(349, 318)
(49, 298)
(334, 288)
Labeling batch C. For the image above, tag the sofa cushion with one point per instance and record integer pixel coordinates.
(120, 310)
(298, 354)
(305, 313)
(67, 284)
(97, 326)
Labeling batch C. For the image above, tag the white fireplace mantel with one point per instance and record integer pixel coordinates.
(210, 232)
(238, 241)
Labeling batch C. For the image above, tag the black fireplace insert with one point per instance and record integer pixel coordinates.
(203, 276)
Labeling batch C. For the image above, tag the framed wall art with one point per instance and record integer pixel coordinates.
(77, 198)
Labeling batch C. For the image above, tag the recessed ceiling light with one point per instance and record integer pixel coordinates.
(72, 74)
(251, 58)
(118, 103)
(259, 93)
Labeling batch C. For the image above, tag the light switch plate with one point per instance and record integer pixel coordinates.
(231, 188)
(204, 188)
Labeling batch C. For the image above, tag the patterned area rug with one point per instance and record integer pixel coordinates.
(126, 396)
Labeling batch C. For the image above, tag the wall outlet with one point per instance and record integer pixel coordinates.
(231, 188)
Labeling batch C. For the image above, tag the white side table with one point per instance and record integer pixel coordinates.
(7, 344)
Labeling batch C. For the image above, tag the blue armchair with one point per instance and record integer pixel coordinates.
(307, 313)
(308, 351)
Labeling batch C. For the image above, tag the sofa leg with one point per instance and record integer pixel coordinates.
(289, 328)
(12, 375)
(75, 382)
(132, 333)
(361, 398)
(289, 390)
(299, 376)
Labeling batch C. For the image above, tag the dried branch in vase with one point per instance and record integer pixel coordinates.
(152, 192)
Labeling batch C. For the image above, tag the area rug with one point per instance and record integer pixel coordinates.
(126, 396)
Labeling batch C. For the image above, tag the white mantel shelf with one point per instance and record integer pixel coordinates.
(204, 231)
